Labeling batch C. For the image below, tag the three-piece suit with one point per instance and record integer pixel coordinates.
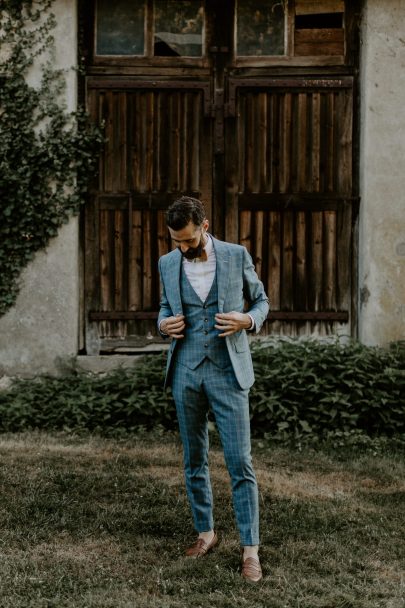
(205, 370)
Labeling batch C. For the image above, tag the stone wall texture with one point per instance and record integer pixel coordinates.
(43, 325)
(382, 173)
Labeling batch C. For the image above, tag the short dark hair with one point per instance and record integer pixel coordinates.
(183, 211)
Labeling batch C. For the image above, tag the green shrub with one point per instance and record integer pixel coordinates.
(303, 389)
(313, 387)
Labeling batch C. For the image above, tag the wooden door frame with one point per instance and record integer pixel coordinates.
(222, 190)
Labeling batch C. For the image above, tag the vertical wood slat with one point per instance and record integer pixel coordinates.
(250, 160)
(344, 110)
(274, 262)
(259, 243)
(262, 143)
(106, 258)
(245, 229)
(301, 283)
(174, 156)
(316, 137)
(315, 287)
(287, 281)
(149, 131)
(330, 133)
(267, 185)
(120, 260)
(156, 142)
(302, 136)
(195, 114)
(142, 127)
(135, 262)
(108, 118)
(285, 141)
(136, 139)
(344, 256)
(147, 260)
(329, 286)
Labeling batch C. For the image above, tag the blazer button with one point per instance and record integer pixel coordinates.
(206, 332)
(205, 345)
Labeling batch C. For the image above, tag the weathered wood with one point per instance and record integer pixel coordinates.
(319, 42)
(329, 279)
(316, 284)
(343, 253)
(245, 229)
(301, 279)
(135, 262)
(274, 261)
(303, 140)
(308, 7)
(285, 141)
(259, 243)
(147, 260)
(120, 260)
(316, 136)
(287, 280)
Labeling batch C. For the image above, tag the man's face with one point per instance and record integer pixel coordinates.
(191, 239)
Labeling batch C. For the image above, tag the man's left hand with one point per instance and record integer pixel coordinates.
(231, 322)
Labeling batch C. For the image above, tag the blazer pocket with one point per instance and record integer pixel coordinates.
(241, 345)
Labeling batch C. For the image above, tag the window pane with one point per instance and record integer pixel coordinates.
(260, 27)
(120, 27)
(178, 28)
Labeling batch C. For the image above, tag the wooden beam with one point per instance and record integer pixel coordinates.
(311, 7)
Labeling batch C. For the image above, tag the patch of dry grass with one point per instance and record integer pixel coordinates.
(92, 522)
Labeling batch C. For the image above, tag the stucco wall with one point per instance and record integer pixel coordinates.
(382, 173)
(43, 324)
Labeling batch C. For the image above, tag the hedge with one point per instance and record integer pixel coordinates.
(303, 388)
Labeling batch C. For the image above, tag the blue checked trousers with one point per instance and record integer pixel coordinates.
(194, 391)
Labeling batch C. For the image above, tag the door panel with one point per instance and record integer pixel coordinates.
(291, 204)
(153, 153)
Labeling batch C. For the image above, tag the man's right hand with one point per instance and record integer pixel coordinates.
(173, 326)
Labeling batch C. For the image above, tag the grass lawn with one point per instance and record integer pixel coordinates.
(92, 522)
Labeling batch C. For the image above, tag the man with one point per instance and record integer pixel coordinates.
(204, 285)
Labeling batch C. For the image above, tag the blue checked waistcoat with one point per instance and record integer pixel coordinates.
(236, 283)
(201, 338)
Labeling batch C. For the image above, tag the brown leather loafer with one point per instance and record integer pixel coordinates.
(200, 547)
(251, 570)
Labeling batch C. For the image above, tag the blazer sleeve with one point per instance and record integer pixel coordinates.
(254, 293)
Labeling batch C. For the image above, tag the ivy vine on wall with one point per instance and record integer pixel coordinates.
(46, 153)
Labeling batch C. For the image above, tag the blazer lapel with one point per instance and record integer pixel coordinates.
(222, 256)
(173, 283)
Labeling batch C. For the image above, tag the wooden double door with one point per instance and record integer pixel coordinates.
(266, 142)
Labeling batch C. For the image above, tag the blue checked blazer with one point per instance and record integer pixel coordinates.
(237, 281)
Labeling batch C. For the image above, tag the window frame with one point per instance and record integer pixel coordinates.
(148, 58)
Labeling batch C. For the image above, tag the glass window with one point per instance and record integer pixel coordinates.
(178, 28)
(120, 27)
(260, 27)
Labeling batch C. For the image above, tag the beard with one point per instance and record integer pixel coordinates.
(195, 252)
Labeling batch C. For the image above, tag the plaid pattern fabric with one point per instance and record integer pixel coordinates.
(237, 281)
(221, 382)
(200, 337)
(194, 391)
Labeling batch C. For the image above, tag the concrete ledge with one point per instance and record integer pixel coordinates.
(101, 364)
